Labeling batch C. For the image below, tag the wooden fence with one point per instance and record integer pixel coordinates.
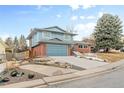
(2, 57)
(22, 55)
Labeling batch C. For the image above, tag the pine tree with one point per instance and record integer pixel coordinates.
(108, 32)
(22, 43)
(9, 42)
(16, 44)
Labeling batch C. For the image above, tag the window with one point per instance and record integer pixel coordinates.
(47, 34)
(85, 46)
(57, 35)
(80, 46)
(67, 37)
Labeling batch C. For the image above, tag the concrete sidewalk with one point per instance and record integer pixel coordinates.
(54, 79)
(80, 62)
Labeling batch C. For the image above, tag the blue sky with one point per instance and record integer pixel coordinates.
(17, 20)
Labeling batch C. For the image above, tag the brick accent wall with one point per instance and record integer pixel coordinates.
(69, 50)
(39, 51)
(82, 50)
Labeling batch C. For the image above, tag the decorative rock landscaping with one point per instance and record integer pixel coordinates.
(18, 75)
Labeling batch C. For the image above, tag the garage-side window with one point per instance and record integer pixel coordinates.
(80, 46)
(85, 46)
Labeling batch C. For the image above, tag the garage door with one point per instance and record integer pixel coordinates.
(56, 50)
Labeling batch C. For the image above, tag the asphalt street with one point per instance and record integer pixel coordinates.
(113, 79)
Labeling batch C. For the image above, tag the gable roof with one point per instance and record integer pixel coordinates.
(2, 42)
(55, 29)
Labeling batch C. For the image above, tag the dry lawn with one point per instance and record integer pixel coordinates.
(111, 57)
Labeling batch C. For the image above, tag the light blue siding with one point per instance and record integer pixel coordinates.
(39, 36)
(61, 36)
(57, 35)
(57, 50)
(36, 38)
(47, 35)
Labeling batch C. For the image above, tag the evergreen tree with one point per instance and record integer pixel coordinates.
(22, 43)
(16, 44)
(9, 42)
(108, 32)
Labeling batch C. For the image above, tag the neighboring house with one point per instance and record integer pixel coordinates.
(3, 48)
(90, 42)
(51, 41)
(81, 47)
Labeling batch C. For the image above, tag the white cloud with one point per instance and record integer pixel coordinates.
(43, 7)
(74, 18)
(4, 36)
(38, 7)
(88, 6)
(100, 14)
(58, 16)
(82, 17)
(87, 17)
(25, 12)
(91, 17)
(75, 7)
(84, 30)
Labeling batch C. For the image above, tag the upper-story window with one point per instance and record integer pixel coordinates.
(66, 37)
(39, 36)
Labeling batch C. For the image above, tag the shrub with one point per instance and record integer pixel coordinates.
(1, 78)
(14, 73)
(30, 76)
(5, 79)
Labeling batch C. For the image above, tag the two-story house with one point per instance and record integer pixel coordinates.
(51, 41)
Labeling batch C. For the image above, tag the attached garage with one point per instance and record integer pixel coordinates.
(56, 50)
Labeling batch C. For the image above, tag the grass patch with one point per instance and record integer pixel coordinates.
(111, 57)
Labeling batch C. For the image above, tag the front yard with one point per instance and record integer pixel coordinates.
(112, 56)
(18, 75)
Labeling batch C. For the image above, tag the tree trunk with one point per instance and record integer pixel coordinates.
(107, 50)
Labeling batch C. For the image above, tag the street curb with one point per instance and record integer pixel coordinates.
(54, 79)
(80, 74)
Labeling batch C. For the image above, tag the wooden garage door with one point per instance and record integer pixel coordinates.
(57, 50)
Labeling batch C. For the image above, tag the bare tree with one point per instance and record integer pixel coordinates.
(71, 29)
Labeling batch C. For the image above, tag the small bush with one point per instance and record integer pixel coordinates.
(14, 73)
(20, 74)
(5, 79)
(30, 76)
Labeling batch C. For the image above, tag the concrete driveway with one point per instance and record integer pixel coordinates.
(80, 62)
(47, 70)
